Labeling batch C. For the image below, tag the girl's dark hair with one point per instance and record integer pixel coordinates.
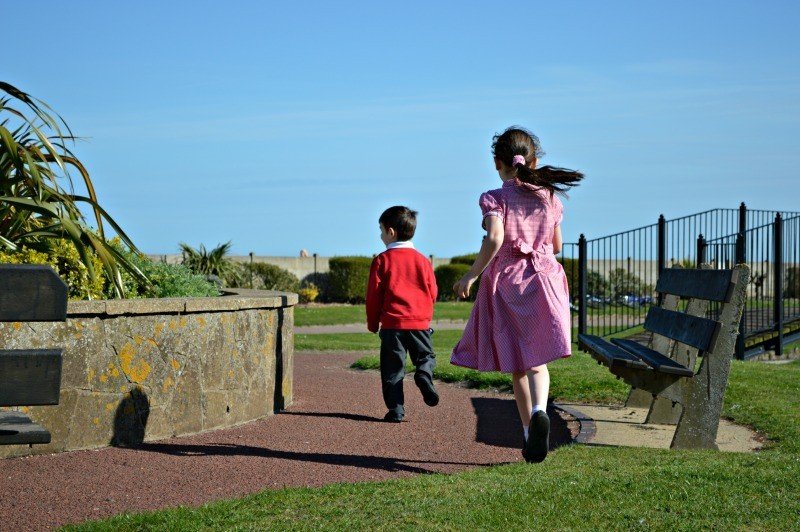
(519, 141)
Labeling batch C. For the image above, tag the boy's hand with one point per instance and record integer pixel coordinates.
(463, 286)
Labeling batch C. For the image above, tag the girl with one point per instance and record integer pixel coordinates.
(521, 319)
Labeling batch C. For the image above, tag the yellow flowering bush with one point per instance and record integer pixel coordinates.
(65, 260)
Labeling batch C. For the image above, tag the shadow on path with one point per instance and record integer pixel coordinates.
(497, 423)
(339, 415)
(360, 461)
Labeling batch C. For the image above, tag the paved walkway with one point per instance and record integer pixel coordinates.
(332, 433)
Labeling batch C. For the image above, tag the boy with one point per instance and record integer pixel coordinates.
(400, 294)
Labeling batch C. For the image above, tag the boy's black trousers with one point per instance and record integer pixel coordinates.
(394, 344)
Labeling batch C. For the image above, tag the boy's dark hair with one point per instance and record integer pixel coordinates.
(402, 219)
(519, 141)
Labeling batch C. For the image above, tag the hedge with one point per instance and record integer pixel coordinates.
(447, 275)
(464, 259)
(272, 277)
(347, 279)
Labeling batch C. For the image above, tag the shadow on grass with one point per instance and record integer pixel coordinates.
(498, 424)
(384, 463)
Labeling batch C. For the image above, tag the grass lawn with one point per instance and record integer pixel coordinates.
(577, 487)
(344, 314)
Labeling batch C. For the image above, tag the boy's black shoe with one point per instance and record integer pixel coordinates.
(425, 385)
(538, 437)
(393, 417)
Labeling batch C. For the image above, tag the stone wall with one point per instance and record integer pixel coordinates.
(148, 369)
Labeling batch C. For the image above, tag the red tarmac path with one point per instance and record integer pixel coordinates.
(332, 433)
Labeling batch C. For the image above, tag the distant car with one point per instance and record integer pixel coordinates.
(594, 301)
(633, 300)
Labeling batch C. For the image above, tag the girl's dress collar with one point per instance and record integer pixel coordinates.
(517, 183)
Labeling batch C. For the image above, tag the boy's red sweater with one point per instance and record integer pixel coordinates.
(401, 291)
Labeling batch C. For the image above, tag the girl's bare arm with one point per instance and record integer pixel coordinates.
(558, 241)
(495, 234)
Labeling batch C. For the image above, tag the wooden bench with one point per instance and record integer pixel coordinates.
(663, 375)
(29, 377)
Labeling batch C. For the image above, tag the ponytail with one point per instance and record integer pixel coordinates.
(552, 178)
(517, 147)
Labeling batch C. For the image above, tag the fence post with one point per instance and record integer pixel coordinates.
(582, 278)
(251, 270)
(741, 258)
(662, 244)
(316, 278)
(701, 250)
(778, 288)
(742, 218)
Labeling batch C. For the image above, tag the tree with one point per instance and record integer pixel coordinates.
(621, 282)
(595, 284)
(35, 207)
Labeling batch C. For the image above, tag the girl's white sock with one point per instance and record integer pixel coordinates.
(536, 408)
(525, 430)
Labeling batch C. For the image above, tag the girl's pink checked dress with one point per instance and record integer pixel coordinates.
(521, 315)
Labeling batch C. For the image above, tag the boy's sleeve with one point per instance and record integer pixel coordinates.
(433, 289)
(375, 290)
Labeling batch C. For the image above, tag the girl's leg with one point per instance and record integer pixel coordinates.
(522, 394)
(539, 378)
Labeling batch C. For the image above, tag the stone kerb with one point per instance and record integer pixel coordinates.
(147, 369)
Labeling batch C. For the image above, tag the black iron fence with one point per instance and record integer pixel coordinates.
(613, 277)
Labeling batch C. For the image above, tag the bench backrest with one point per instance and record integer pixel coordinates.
(31, 293)
(704, 284)
(30, 377)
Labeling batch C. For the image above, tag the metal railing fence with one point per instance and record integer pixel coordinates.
(616, 274)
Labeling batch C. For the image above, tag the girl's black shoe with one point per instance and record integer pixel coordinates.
(538, 437)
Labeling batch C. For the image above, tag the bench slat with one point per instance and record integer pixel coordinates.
(31, 293)
(17, 428)
(30, 377)
(610, 354)
(690, 330)
(655, 359)
(711, 285)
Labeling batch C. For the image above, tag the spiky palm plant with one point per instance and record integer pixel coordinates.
(207, 262)
(37, 197)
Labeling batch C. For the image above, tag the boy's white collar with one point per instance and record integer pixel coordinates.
(405, 244)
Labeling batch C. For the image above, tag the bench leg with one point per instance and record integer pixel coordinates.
(664, 412)
(702, 405)
(638, 398)
(702, 396)
(697, 429)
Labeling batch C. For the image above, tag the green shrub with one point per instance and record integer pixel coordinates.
(273, 277)
(447, 275)
(66, 261)
(348, 278)
(322, 281)
(167, 280)
(175, 280)
(468, 259)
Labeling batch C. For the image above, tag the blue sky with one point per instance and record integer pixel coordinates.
(283, 126)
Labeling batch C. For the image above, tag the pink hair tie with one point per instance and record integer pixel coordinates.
(518, 159)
